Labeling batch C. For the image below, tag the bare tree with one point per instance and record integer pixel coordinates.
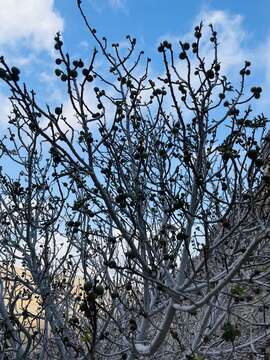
(159, 193)
(36, 289)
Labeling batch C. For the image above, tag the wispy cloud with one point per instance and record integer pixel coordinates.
(117, 3)
(101, 5)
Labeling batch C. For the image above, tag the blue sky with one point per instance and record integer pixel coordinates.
(27, 28)
(150, 19)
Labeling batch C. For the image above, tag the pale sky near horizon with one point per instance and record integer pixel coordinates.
(27, 29)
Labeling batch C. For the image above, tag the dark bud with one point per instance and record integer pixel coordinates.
(85, 72)
(58, 110)
(88, 286)
(186, 46)
(80, 63)
(112, 264)
(132, 325)
(58, 72)
(2, 73)
(225, 222)
(58, 61)
(83, 307)
(64, 77)
(221, 96)
(15, 70)
(252, 154)
(129, 286)
(130, 254)
(58, 45)
(114, 295)
(256, 91)
(242, 72)
(182, 236)
(182, 55)
(210, 74)
(259, 163)
(166, 44)
(99, 290)
(112, 239)
(14, 77)
(73, 73)
(89, 78)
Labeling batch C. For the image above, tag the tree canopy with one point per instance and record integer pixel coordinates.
(138, 222)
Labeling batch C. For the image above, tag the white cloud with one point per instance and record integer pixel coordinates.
(233, 51)
(262, 63)
(232, 45)
(33, 21)
(263, 53)
(231, 36)
(5, 108)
